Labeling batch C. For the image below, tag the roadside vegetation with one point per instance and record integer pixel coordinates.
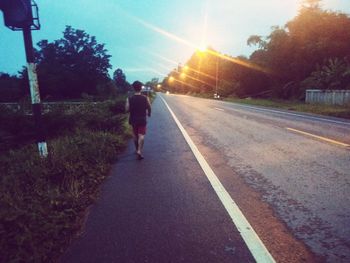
(295, 105)
(342, 111)
(44, 200)
(311, 51)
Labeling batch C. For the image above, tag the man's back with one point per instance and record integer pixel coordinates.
(138, 106)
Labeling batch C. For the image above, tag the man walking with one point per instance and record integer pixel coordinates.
(139, 107)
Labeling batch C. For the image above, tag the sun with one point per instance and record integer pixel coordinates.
(202, 48)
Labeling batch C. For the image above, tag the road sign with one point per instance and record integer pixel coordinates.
(19, 14)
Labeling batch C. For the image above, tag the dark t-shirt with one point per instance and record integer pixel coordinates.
(138, 106)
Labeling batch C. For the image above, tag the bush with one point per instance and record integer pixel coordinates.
(333, 74)
(42, 200)
(18, 127)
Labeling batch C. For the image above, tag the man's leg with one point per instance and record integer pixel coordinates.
(141, 139)
(136, 142)
(136, 137)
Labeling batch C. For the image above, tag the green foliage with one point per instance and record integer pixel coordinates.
(334, 74)
(313, 4)
(256, 40)
(227, 88)
(11, 88)
(212, 72)
(72, 65)
(67, 68)
(120, 81)
(293, 105)
(43, 201)
(18, 128)
(106, 89)
(284, 63)
(152, 83)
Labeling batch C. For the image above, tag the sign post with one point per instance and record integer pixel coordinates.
(23, 15)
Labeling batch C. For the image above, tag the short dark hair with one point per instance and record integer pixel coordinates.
(137, 85)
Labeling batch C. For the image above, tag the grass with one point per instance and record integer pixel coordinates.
(292, 105)
(17, 128)
(44, 201)
(328, 110)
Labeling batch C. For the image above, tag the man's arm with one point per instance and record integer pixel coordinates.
(127, 105)
(149, 107)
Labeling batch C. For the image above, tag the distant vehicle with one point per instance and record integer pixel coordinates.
(146, 90)
(217, 96)
(167, 93)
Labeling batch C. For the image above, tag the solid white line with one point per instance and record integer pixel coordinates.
(319, 137)
(289, 113)
(252, 240)
(219, 109)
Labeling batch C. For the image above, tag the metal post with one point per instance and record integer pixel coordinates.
(217, 76)
(34, 92)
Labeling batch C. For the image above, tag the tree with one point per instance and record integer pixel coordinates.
(72, 65)
(283, 59)
(256, 40)
(333, 74)
(311, 4)
(293, 52)
(120, 80)
(152, 83)
(11, 88)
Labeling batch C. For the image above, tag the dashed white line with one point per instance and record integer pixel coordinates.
(219, 109)
(252, 240)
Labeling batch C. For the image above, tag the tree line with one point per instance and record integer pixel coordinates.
(72, 67)
(310, 51)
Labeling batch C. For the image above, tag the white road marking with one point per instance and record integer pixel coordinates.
(319, 137)
(219, 109)
(290, 113)
(252, 240)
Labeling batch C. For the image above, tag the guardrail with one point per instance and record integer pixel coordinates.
(329, 97)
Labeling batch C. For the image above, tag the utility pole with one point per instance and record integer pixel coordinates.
(34, 92)
(19, 16)
(217, 76)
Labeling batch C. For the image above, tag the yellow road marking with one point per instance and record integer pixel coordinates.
(319, 137)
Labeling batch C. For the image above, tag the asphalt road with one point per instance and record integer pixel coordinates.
(291, 186)
(304, 179)
(160, 209)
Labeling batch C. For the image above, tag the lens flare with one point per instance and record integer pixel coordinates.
(162, 57)
(163, 32)
(199, 80)
(202, 49)
(182, 82)
(201, 73)
(185, 67)
(240, 62)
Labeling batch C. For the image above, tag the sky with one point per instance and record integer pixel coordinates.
(149, 38)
